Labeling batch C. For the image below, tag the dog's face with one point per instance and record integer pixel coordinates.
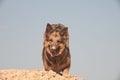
(56, 39)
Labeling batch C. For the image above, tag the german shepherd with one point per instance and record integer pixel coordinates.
(56, 54)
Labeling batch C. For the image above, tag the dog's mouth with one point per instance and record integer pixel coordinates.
(54, 51)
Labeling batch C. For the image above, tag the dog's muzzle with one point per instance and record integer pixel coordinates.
(54, 50)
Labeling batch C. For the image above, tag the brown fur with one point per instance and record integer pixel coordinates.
(56, 54)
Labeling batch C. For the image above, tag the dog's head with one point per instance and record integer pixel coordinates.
(56, 39)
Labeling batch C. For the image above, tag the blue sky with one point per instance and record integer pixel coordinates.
(94, 29)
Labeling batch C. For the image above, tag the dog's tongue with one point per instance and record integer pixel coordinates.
(54, 53)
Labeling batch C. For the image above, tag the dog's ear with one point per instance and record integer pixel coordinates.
(48, 28)
(66, 36)
(47, 31)
(65, 31)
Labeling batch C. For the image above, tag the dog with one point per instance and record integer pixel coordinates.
(56, 53)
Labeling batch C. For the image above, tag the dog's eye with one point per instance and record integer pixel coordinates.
(50, 40)
(59, 41)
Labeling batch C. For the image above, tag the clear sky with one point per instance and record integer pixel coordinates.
(94, 29)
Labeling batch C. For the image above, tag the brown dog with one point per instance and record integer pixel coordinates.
(56, 54)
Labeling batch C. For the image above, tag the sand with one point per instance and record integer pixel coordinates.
(13, 74)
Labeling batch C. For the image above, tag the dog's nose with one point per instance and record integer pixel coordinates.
(53, 47)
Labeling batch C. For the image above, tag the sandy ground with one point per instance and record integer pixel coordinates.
(34, 75)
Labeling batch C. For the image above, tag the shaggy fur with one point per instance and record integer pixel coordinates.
(56, 54)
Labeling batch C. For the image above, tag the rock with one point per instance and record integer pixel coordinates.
(34, 75)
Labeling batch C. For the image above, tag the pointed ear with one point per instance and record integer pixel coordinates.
(65, 31)
(66, 36)
(48, 28)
